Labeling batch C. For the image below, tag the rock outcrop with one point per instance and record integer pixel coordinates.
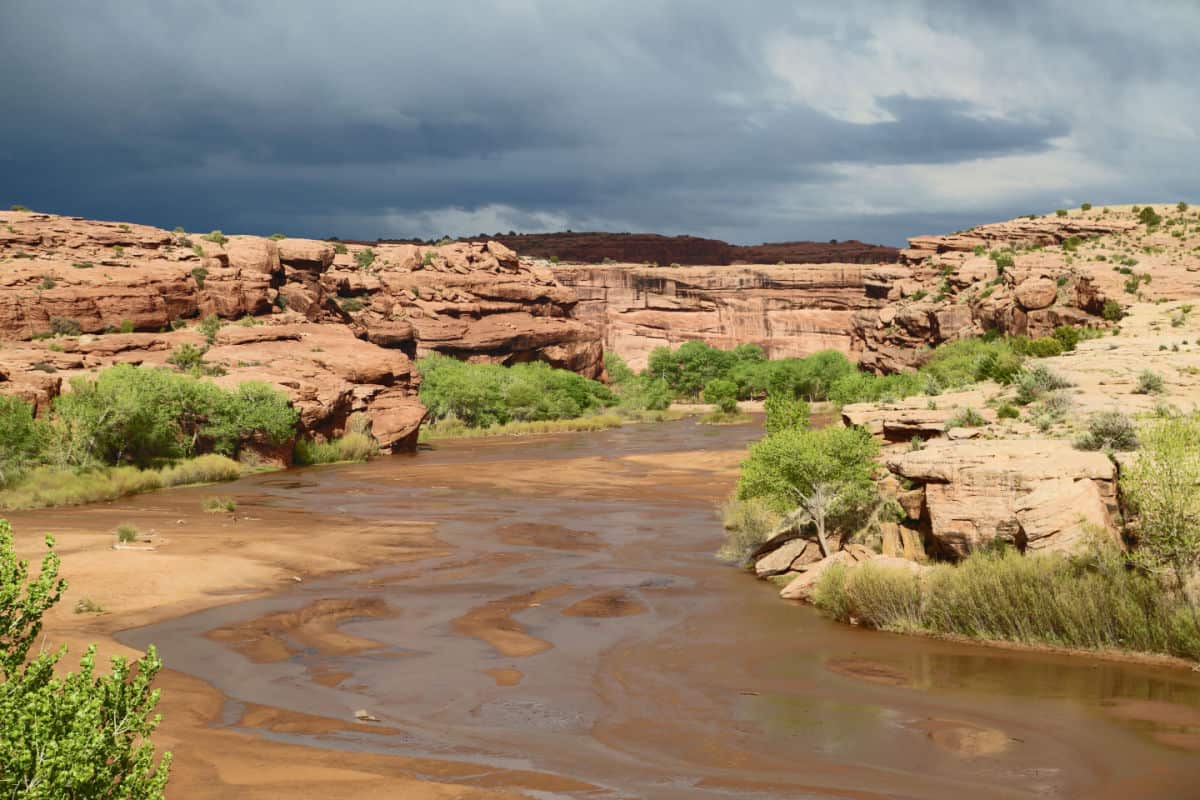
(790, 310)
(341, 324)
(1036, 494)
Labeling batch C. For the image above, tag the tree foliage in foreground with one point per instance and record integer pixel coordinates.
(81, 736)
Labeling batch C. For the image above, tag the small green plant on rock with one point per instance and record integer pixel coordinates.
(216, 237)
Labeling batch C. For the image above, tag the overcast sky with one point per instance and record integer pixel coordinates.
(749, 121)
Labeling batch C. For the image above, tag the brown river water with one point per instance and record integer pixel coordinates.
(582, 628)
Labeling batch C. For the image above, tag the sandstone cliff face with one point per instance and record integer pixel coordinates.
(790, 310)
(338, 330)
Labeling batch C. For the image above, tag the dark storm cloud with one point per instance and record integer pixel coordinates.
(770, 120)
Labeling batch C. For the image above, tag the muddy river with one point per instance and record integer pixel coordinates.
(580, 627)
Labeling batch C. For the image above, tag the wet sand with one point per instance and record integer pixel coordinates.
(543, 617)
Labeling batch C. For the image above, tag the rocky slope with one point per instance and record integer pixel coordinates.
(336, 327)
(1025, 276)
(646, 248)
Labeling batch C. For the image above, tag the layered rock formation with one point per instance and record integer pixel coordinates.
(790, 310)
(336, 327)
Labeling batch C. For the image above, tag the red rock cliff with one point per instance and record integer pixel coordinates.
(335, 327)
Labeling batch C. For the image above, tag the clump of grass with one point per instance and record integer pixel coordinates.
(1093, 602)
(747, 524)
(48, 487)
(127, 533)
(966, 418)
(86, 605)
(1149, 382)
(354, 446)
(1109, 430)
(452, 428)
(216, 237)
(220, 505)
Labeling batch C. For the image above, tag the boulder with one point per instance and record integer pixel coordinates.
(791, 556)
(1063, 516)
(973, 488)
(1036, 293)
(801, 587)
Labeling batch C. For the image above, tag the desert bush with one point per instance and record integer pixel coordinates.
(126, 533)
(187, 357)
(966, 418)
(1007, 411)
(1109, 430)
(1112, 311)
(208, 327)
(1148, 382)
(216, 237)
(1033, 382)
(65, 326)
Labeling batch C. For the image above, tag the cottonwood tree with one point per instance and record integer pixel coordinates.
(827, 472)
(81, 736)
(1162, 487)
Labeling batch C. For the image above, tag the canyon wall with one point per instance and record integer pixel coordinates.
(1026, 277)
(790, 310)
(336, 327)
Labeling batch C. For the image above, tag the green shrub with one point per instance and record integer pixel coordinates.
(482, 395)
(1007, 411)
(721, 393)
(126, 326)
(966, 418)
(208, 327)
(1035, 381)
(23, 439)
(364, 258)
(350, 305)
(1045, 347)
(277, 237)
(69, 734)
(1109, 430)
(187, 357)
(1112, 311)
(1086, 207)
(785, 411)
(1149, 382)
(127, 533)
(340, 249)
(1062, 212)
(199, 274)
(216, 237)
(1149, 217)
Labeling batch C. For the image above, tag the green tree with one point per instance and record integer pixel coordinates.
(80, 736)
(22, 439)
(785, 412)
(209, 327)
(722, 393)
(827, 472)
(1161, 489)
(255, 410)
